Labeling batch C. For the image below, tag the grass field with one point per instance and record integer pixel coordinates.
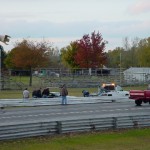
(133, 139)
(11, 94)
(36, 82)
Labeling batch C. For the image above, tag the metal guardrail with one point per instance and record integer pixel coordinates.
(39, 128)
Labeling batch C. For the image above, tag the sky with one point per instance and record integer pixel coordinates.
(62, 21)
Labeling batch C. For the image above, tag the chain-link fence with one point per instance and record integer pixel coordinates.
(54, 77)
(119, 76)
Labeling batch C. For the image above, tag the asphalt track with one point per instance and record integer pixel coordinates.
(76, 109)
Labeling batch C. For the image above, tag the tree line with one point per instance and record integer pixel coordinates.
(135, 53)
(87, 52)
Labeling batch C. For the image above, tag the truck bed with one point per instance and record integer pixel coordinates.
(139, 94)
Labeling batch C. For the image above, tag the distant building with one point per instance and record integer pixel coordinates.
(137, 74)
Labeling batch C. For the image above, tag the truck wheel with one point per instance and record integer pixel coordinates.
(138, 102)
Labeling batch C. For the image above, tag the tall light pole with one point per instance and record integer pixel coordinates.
(4, 39)
(0, 67)
(120, 68)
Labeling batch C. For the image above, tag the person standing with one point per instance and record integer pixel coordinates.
(64, 93)
(26, 94)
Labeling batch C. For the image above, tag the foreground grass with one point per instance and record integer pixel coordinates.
(135, 139)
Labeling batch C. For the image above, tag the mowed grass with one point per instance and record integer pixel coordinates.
(12, 94)
(36, 83)
(133, 139)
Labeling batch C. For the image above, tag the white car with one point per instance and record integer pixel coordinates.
(111, 90)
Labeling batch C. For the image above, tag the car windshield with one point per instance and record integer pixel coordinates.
(109, 87)
(119, 88)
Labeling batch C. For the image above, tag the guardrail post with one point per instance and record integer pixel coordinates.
(59, 127)
(2, 108)
(115, 125)
(113, 100)
(135, 124)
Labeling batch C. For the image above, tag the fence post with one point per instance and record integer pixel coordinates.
(58, 127)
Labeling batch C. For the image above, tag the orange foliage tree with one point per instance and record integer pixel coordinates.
(28, 55)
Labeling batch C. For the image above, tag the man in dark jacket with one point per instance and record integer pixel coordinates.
(45, 93)
(64, 93)
(38, 93)
(34, 93)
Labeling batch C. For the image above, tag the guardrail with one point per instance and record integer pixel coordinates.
(38, 128)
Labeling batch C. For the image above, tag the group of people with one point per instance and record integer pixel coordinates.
(45, 94)
(39, 94)
(36, 93)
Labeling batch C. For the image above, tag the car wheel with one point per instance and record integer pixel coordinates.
(138, 102)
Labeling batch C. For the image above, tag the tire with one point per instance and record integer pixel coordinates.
(138, 102)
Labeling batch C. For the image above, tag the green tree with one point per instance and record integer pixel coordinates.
(68, 53)
(126, 56)
(114, 57)
(130, 52)
(143, 52)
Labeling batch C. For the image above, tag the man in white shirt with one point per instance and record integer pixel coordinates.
(26, 94)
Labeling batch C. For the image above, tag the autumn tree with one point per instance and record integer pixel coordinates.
(67, 55)
(90, 53)
(28, 55)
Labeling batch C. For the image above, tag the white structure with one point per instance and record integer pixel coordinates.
(4, 39)
(137, 74)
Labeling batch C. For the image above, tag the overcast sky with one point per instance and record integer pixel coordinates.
(63, 21)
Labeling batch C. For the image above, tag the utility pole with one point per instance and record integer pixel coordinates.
(0, 67)
(120, 69)
(4, 39)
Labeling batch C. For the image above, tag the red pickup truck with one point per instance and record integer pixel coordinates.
(140, 96)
